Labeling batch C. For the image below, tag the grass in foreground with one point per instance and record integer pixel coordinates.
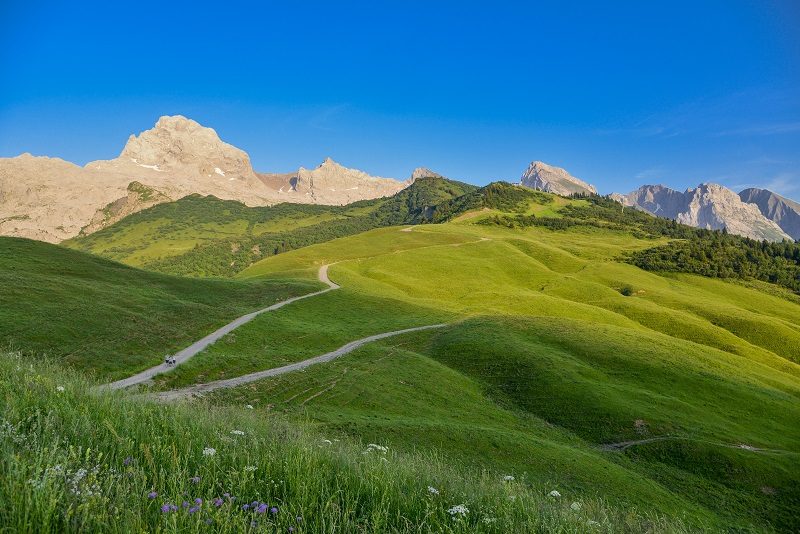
(72, 461)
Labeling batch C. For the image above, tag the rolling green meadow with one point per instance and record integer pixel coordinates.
(650, 401)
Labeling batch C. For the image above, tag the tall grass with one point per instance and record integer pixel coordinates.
(72, 460)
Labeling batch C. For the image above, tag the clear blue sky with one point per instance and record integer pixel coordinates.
(619, 93)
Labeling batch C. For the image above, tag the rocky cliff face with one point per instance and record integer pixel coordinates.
(552, 179)
(423, 172)
(331, 183)
(784, 212)
(52, 200)
(709, 206)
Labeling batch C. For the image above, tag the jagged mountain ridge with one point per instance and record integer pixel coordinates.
(50, 199)
(551, 179)
(709, 206)
(784, 212)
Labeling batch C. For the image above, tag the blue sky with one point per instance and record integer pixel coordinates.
(619, 93)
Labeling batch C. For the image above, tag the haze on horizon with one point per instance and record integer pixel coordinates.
(620, 95)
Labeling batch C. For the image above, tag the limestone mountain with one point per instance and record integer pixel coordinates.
(552, 179)
(710, 206)
(331, 183)
(51, 199)
(424, 172)
(781, 210)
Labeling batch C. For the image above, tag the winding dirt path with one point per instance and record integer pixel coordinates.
(199, 389)
(623, 445)
(198, 346)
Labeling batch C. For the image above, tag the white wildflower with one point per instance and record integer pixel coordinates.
(60, 389)
(458, 511)
(379, 448)
(237, 432)
(554, 493)
(576, 506)
(250, 468)
(489, 520)
(433, 491)
(249, 406)
(508, 478)
(209, 451)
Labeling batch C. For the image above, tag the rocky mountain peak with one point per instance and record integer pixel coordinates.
(423, 172)
(709, 205)
(544, 177)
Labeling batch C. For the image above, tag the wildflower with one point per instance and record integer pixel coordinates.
(245, 507)
(576, 506)
(273, 510)
(250, 468)
(458, 511)
(152, 495)
(373, 447)
(508, 478)
(184, 504)
(433, 491)
(489, 520)
(127, 461)
(198, 501)
(554, 493)
(217, 502)
(237, 432)
(194, 509)
(60, 389)
(226, 495)
(165, 508)
(249, 406)
(261, 509)
(209, 451)
(195, 480)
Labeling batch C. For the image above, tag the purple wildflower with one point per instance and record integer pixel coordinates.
(165, 508)
(194, 509)
(254, 504)
(245, 507)
(152, 495)
(127, 461)
(184, 504)
(173, 508)
(261, 509)
(226, 495)
(218, 502)
(198, 501)
(273, 510)
(194, 480)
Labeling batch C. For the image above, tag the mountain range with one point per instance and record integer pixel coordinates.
(50, 199)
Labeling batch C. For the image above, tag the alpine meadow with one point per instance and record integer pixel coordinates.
(194, 339)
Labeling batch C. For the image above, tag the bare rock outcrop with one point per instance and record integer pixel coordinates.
(51, 199)
(784, 212)
(709, 206)
(550, 179)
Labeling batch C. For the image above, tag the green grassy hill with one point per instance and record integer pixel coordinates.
(564, 364)
(101, 316)
(74, 461)
(205, 236)
(562, 342)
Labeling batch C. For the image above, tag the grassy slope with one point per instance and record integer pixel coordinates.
(692, 357)
(102, 316)
(202, 236)
(71, 461)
